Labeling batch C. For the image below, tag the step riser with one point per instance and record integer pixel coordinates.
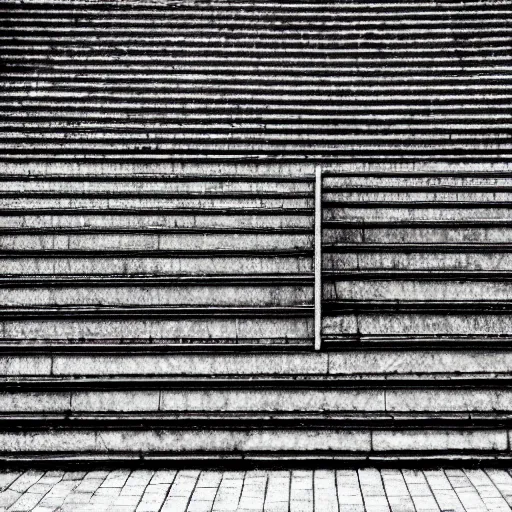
(185, 400)
(121, 361)
(271, 443)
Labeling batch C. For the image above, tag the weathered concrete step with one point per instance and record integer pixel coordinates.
(425, 248)
(423, 319)
(157, 265)
(407, 215)
(322, 401)
(397, 274)
(222, 104)
(272, 444)
(490, 97)
(16, 281)
(255, 115)
(420, 183)
(451, 234)
(231, 83)
(96, 5)
(417, 169)
(161, 325)
(131, 204)
(250, 10)
(276, 137)
(231, 187)
(459, 261)
(196, 220)
(37, 360)
(413, 291)
(154, 242)
(415, 82)
(132, 171)
(142, 295)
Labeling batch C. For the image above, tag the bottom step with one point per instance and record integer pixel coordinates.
(247, 444)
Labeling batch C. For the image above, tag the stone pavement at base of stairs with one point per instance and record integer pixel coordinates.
(363, 490)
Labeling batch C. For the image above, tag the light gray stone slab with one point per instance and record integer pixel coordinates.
(96, 401)
(191, 364)
(400, 440)
(34, 402)
(420, 362)
(25, 365)
(449, 400)
(273, 400)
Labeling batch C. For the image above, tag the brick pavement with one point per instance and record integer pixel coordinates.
(364, 490)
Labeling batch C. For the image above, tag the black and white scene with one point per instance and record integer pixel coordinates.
(255, 256)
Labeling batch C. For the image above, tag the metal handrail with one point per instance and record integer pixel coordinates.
(318, 258)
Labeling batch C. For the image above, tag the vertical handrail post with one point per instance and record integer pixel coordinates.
(318, 258)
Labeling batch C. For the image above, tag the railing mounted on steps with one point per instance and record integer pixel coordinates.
(286, 257)
(318, 258)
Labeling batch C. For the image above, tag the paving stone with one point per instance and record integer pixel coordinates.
(78, 497)
(397, 492)
(325, 493)
(350, 498)
(230, 490)
(503, 482)
(54, 474)
(127, 500)
(133, 490)
(53, 502)
(372, 488)
(175, 504)
(301, 492)
(116, 479)
(364, 490)
(465, 490)
(74, 475)
(253, 492)
(163, 477)
(41, 488)
(419, 489)
(88, 485)
(278, 491)
(96, 475)
(102, 500)
(209, 479)
(26, 502)
(443, 491)
(181, 491)
(7, 478)
(8, 497)
(108, 491)
(152, 500)
(26, 480)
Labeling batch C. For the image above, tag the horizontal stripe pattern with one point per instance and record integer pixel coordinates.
(249, 80)
(416, 254)
(217, 256)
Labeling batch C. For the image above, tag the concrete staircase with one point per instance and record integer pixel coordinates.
(152, 254)
(266, 407)
(157, 171)
(151, 315)
(236, 81)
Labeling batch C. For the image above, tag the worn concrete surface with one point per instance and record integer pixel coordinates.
(364, 490)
